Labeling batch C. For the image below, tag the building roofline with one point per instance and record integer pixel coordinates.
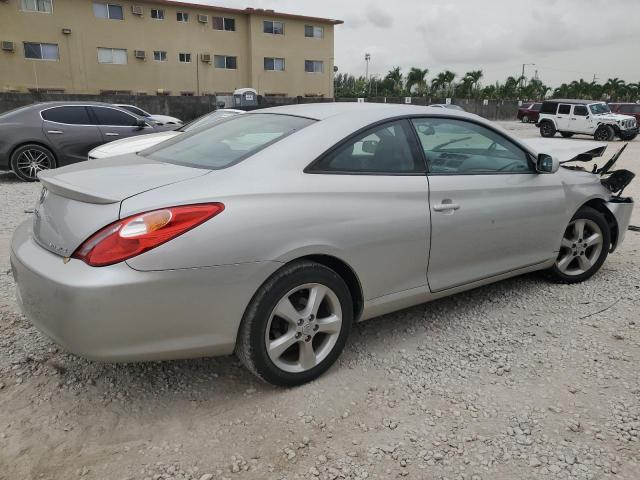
(247, 11)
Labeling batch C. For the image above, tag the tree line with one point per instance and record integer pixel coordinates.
(450, 84)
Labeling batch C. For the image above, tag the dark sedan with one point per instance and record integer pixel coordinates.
(529, 112)
(53, 134)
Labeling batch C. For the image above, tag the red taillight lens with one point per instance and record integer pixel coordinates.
(139, 233)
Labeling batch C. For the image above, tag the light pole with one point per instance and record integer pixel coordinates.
(522, 77)
(367, 59)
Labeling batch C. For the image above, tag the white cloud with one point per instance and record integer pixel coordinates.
(566, 39)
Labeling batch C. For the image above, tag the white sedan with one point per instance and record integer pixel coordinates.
(142, 142)
(159, 119)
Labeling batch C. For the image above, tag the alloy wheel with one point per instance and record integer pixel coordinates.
(580, 248)
(303, 327)
(32, 161)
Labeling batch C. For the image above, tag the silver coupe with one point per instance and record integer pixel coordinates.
(269, 234)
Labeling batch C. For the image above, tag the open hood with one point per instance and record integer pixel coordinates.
(565, 150)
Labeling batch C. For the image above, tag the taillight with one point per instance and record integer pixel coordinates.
(139, 233)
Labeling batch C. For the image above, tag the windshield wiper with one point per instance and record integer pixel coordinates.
(455, 140)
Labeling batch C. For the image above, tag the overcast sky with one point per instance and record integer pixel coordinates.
(566, 39)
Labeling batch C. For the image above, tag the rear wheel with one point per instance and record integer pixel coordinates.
(296, 325)
(525, 119)
(584, 247)
(604, 133)
(547, 129)
(566, 134)
(28, 160)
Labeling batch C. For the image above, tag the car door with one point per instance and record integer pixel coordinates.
(491, 213)
(71, 132)
(374, 196)
(115, 123)
(563, 117)
(580, 120)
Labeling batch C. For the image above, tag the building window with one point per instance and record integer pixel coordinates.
(182, 17)
(42, 6)
(313, 66)
(275, 28)
(160, 56)
(222, 23)
(223, 61)
(41, 51)
(184, 57)
(186, 94)
(157, 14)
(108, 10)
(275, 64)
(313, 32)
(116, 56)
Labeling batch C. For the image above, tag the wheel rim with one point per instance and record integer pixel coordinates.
(32, 161)
(581, 247)
(602, 134)
(525, 119)
(546, 129)
(303, 327)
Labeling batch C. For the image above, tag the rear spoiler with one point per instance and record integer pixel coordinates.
(73, 192)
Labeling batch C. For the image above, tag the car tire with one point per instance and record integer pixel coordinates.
(27, 160)
(525, 119)
(604, 133)
(566, 134)
(547, 129)
(628, 138)
(577, 263)
(309, 343)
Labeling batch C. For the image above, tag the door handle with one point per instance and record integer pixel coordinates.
(445, 207)
(111, 134)
(56, 132)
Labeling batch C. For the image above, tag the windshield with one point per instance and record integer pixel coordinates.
(207, 119)
(598, 108)
(228, 142)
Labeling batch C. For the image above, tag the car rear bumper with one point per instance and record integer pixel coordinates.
(116, 313)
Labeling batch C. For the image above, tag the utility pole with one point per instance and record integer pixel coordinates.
(367, 58)
(522, 77)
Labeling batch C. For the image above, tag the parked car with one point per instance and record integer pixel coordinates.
(137, 144)
(632, 109)
(53, 134)
(159, 119)
(529, 112)
(271, 233)
(450, 106)
(585, 117)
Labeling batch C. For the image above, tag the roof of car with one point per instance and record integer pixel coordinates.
(62, 103)
(574, 101)
(373, 111)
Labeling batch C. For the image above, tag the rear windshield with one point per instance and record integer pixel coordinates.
(227, 142)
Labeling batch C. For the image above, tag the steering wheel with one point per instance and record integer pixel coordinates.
(492, 146)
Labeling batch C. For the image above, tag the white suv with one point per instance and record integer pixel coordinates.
(585, 117)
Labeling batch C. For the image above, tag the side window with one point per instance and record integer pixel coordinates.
(381, 149)
(580, 110)
(564, 109)
(113, 117)
(74, 115)
(462, 147)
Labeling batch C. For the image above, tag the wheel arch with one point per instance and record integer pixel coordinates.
(601, 206)
(40, 143)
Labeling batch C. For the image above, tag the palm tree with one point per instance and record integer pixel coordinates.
(472, 79)
(417, 77)
(395, 75)
(614, 87)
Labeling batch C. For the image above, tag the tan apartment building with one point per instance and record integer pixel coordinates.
(162, 47)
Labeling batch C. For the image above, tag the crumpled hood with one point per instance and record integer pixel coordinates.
(564, 149)
(131, 144)
(613, 117)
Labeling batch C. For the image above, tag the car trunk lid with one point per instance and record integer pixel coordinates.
(78, 200)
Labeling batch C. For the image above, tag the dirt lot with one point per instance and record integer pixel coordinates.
(518, 380)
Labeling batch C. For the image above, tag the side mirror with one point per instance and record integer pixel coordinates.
(369, 146)
(547, 164)
(140, 123)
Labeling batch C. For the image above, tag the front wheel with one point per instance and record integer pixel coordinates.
(604, 133)
(28, 160)
(296, 325)
(583, 249)
(525, 119)
(547, 129)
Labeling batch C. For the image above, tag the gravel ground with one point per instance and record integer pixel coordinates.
(518, 380)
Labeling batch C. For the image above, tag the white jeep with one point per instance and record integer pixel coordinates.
(585, 117)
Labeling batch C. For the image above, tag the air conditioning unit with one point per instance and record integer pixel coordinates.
(8, 46)
(137, 9)
(203, 18)
(140, 54)
(205, 57)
